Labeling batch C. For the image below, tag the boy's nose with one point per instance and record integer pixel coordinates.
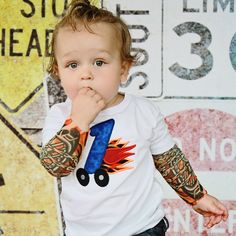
(86, 77)
(86, 74)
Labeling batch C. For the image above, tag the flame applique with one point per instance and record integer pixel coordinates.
(117, 156)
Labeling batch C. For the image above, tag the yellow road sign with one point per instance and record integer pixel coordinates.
(26, 28)
(28, 193)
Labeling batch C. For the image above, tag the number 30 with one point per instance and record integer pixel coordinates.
(201, 49)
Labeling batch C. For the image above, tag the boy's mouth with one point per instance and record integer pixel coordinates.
(88, 87)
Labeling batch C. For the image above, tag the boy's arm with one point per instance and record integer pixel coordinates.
(177, 171)
(62, 153)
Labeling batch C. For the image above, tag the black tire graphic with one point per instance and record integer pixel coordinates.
(82, 176)
(101, 178)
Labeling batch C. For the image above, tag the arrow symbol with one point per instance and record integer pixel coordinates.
(1, 184)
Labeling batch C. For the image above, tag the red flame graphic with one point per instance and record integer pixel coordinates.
(116, 156)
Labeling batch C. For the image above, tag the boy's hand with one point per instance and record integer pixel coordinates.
(212, 210)
(85, 107)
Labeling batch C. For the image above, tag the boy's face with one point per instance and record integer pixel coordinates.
(91, 60)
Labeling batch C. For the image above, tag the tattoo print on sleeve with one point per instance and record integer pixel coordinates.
(104, 156)
(61, 154)
(177, 171)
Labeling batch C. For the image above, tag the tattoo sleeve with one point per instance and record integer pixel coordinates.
(62, 153)
(178, 173)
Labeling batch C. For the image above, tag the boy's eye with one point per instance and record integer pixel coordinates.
(73, 65)
(99, 63)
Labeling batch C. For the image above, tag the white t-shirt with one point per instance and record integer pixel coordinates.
(126, 199)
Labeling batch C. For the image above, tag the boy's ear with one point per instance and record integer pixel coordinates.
(125, 67)
(55, 69)
(54, 72)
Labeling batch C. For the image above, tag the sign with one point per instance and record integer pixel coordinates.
(181, 47)
(144, 19)
(26, 28)
(29, 201)
(199, 46)
(210, 146)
